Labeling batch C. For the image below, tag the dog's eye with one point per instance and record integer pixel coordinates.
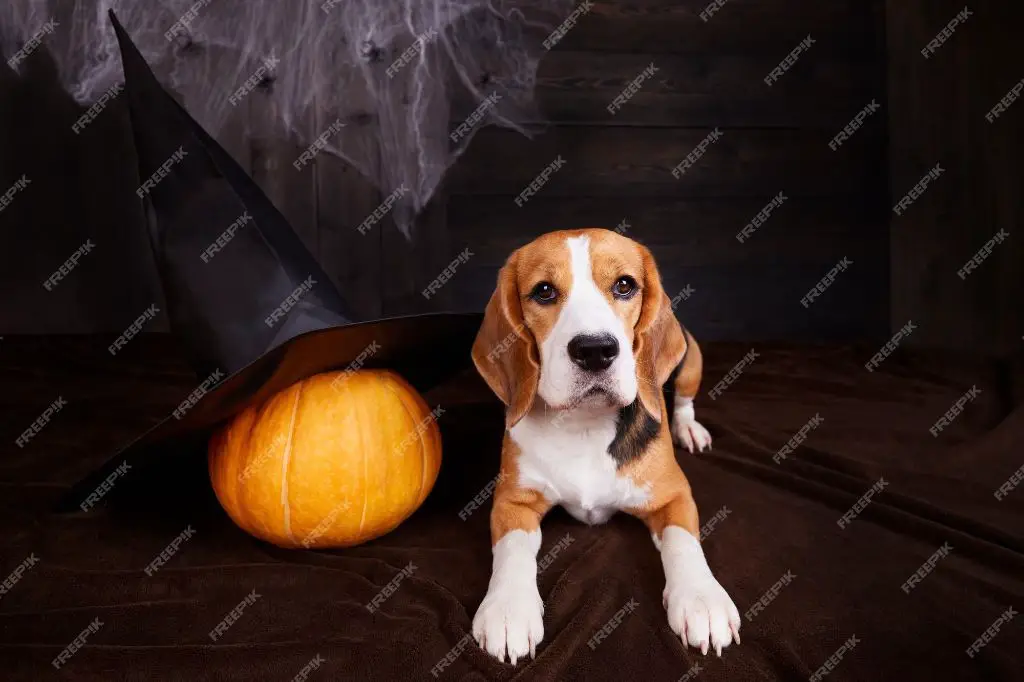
(624, 287)
(544, 293)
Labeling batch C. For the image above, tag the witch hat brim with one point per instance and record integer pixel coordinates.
(264, 316)
(424, 349)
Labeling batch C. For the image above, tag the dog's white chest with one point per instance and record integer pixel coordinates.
(567, 461)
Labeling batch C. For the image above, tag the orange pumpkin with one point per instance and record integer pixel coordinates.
(333, 461)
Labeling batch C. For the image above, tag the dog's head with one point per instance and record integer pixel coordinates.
(578, 318)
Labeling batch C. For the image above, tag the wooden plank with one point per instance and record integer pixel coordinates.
(25, 259)
(684, 232)
(272, 152)
(639, 162)
(233, 134)
(763, 302)
(937, 115)
(410, 262)
(81, 188)
(125, 269)
(345, 197)
(703, 90)
(756, 302)
(741, 25)
(10, 90)
(742, 291)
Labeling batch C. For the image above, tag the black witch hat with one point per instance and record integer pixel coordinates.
(250, 304)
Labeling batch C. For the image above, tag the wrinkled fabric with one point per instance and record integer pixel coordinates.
(826, 592)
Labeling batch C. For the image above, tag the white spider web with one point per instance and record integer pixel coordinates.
(342, 59)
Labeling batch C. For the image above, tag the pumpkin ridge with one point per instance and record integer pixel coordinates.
(285, 465)
(359, 425)
(415, 427)
(239, 490)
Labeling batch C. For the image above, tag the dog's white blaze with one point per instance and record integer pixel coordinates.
(586, 311)
(564, 456)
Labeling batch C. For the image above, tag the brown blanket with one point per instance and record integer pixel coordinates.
(822, 599)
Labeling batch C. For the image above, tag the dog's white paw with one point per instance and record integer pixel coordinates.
(686, 430)
(702, 614)
(692, 435)
(699, 610)
(510, 620)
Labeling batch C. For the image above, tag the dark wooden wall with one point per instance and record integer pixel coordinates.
(618, 168)
(774, 139)
(937, 115)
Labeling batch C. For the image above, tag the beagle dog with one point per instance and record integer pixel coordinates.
(577, 341)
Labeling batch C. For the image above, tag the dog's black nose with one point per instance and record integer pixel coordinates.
(593, 352)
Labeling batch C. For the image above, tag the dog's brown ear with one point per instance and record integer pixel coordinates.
(658, 341)
(505, 352)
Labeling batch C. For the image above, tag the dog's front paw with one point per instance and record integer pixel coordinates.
(510, 619)
(702, 613)
(686, 430)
